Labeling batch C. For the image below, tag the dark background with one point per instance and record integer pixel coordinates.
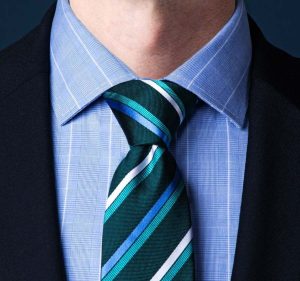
(279, 20)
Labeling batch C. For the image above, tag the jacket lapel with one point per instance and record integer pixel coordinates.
(29, 236)
(268, 239)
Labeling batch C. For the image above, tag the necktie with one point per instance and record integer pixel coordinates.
(147, 232)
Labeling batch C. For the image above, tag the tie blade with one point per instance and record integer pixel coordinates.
(147, 231)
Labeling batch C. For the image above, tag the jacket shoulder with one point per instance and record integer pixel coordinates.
(26, 58)
(275, 66)
(284, 72)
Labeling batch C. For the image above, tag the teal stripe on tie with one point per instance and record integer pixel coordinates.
(141, 110)
(171, 92)
(180, 262)
(135, 181)
(145, 235)
(141, 120)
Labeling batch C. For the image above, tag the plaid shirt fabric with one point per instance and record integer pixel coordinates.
(89, 144)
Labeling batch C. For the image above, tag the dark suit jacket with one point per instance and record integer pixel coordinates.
(268, 245)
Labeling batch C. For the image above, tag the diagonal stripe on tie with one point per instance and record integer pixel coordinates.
(169, 94)
(131, 175)
(132, 184)
(140, 119)
(141, 110)
(176, 260)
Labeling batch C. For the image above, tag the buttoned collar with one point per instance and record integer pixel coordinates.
(82, 68)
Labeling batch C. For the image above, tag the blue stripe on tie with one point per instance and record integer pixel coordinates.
(141, 226)
(139, 118)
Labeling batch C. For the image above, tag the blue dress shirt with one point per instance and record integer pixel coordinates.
(89, 144)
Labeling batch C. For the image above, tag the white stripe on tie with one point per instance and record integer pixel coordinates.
(167, 96)
(130, 176)
(173, 257)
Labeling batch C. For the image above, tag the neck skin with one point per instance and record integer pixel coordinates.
(153, 37)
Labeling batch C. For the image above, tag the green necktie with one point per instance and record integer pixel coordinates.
(147, 231)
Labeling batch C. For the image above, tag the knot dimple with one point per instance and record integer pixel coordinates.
(150, 111)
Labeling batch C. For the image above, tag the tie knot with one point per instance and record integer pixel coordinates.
(150, 111)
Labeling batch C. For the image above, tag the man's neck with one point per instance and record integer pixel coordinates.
(153, 37)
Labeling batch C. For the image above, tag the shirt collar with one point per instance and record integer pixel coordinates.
(82, 68)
